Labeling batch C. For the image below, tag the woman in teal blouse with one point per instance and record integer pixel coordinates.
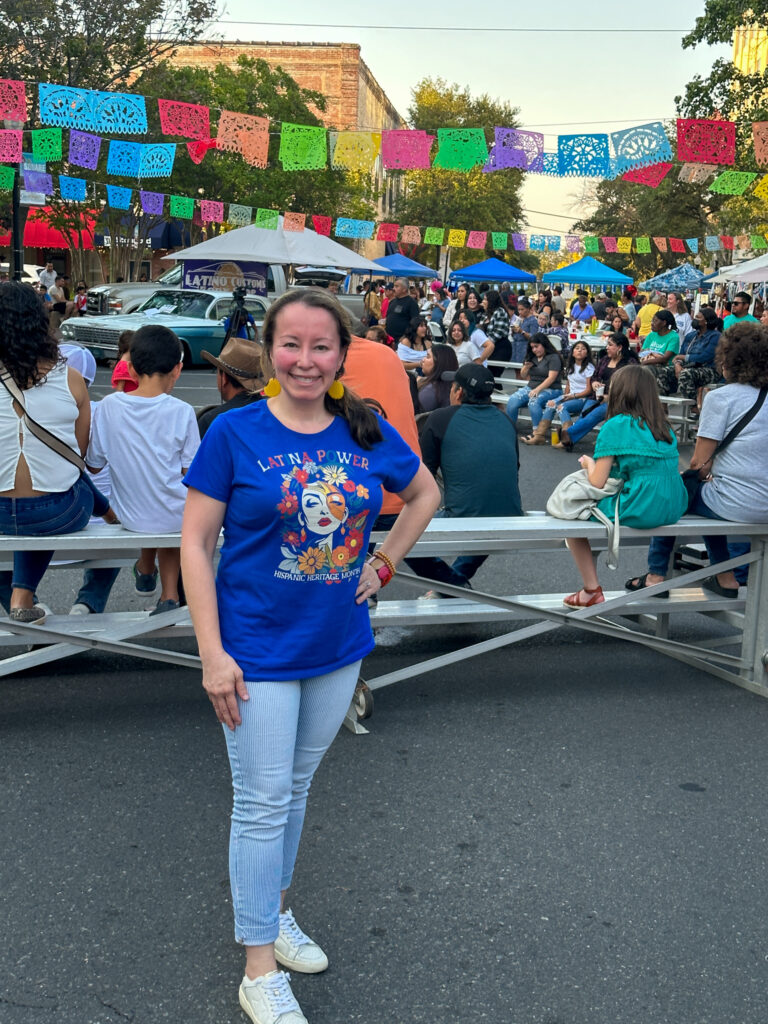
(636, 445)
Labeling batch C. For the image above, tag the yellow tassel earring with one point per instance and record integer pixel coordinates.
(273, 388)
(336, 390)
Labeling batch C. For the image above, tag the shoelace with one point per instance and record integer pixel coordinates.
(289, 927)
(278, 992)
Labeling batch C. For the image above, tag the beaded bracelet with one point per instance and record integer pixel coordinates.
(382, 557)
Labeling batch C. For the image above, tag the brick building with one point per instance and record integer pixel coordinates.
(355, 98)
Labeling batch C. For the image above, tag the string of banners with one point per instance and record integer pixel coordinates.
(214, 211)
(642, 154)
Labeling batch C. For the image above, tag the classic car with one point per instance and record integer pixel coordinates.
(197, 317)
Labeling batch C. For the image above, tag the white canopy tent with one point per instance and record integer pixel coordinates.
(750, 272)
(260, 245)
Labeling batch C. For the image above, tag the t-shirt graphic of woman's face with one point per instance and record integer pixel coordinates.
(323, 510)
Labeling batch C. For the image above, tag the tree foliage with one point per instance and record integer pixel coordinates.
(253, 87)
(88, 45)
(455, 199)
(673, 210)
(100, 45)
(734, 95)
(727, 91)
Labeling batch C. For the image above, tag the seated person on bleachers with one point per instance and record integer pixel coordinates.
(238, 378)
(694, 366)
(733, 483)
(470, 433)
(42, 492)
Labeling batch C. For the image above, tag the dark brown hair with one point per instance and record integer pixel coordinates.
(742, 355)
(362, 422)
(633, 392)
(444, 357)
(27, 347)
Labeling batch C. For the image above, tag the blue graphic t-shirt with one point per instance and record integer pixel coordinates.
(300, 508)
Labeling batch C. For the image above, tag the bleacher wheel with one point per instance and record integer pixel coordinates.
(362, 700)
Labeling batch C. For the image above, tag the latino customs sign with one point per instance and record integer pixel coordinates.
(225, 276)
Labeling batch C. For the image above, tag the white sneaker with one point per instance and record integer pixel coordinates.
(269, 1000)
(296, 950)
(79, 609)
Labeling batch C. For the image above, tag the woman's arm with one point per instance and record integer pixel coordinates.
(597, 471)
(79, 392)
(487, 350)
(222, 676)
(421, 498)
(525, 370)
(552, 376)
(659, 358)
(703, 454)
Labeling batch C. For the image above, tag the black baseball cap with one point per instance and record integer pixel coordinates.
(474, 378)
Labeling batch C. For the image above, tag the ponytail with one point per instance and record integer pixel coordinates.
(361, 419)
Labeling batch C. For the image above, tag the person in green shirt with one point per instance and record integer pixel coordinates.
(637, 445)
(662, 344)
(739, 311)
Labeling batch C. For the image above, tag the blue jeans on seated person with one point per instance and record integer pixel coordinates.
(591, 414)
(661, 548)
(522, 397)
(96, 588)
(53, 514)
(570, 408)
(432, 568)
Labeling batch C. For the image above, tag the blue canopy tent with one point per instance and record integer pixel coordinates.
(400, 266)
(676, 278)
(587, 270)
(491, 270)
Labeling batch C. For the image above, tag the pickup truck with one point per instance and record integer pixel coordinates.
(126, 296)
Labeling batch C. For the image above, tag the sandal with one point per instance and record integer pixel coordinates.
(713, 585)
(639, 583)
(572, 601)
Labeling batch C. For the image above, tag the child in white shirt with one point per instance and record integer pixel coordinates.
(149, 440)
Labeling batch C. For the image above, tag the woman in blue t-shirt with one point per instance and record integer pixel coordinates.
(296, 483)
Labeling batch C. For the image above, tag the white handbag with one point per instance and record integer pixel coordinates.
(576, 498)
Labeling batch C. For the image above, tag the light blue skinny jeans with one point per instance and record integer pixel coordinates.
(570, 407)
(286, 728)
(536, 407)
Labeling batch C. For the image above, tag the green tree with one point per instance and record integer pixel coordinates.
(734, 95)
(455, 199)
(100, 45)
(253, 87)
(92, 46)
(675, 209)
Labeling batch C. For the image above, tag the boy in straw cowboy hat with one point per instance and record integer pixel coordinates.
(238, 378)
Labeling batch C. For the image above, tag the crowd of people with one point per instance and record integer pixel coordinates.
(322, 437)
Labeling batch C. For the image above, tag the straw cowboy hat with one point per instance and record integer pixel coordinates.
(241, 359)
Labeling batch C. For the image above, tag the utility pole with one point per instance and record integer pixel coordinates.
(17, 248)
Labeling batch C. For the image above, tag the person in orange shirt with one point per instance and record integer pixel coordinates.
(374, 371)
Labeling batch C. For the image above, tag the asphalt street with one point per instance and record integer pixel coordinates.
(570, 831)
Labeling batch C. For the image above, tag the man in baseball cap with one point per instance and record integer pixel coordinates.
(474, 444)
(238, 378)
(475, 381)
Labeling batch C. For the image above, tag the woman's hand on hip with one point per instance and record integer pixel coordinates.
(223, 682)
(368, 584)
